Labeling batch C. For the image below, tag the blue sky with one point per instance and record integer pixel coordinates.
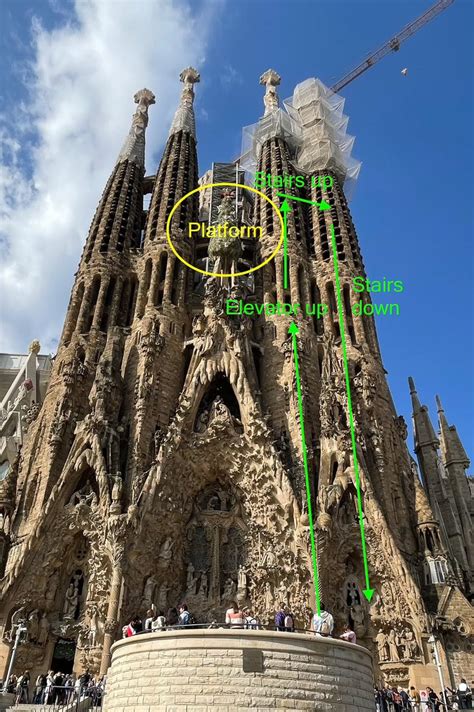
(412, 206)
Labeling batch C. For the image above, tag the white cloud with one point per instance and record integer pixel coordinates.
(57, 152)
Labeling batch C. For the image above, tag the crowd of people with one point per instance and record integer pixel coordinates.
(55, 688)
(322, 623)
(396, 699)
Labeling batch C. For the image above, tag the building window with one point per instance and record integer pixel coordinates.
(436, 571)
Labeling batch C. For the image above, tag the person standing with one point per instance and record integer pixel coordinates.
(348, 635)
(234, 617)
(323, 624)
(158, 623)
(280, 617)
(251, 622)
(149, 620)
(415, 699)
(289, 621)
(433, 700)
(184, 615)
(23, 688)
(40, 684)
(464, 695)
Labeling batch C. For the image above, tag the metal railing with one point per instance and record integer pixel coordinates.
(64, 697)
(233, 626)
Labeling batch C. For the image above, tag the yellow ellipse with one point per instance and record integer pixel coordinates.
(222, 274)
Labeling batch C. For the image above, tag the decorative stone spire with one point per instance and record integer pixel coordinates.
(451, 445)
(424, 431)
(133, 148)
(184, 116)
(271, 80)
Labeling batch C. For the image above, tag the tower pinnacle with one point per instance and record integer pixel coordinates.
(184, 116)
(271, 80)
(133, 148)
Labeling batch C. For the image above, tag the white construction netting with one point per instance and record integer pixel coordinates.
(315, 127)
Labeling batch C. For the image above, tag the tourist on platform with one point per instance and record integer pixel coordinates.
(69, 684)
(40, 684)
(280, 617)
(149, 620)
(323, 624)
(234, 617)
(251, 622)
(86, 677)
(48, 690)
(464, 695)
(172, 617)
(406, 705)
(58, 682)
(185, 617)
(415, 699)
(433, 700)
(159, 622)
(12, 683)
(348, 635)
(132, 628)
(23, 688)
(289, 621)
(396, 700)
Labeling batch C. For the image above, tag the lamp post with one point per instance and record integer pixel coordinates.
(433, 642)
(20, 629)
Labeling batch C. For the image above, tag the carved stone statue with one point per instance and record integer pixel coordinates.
(381, 639)
(94, 627)
(116, 493)
(163, 597)
(191, 580)
(166, 552)
(203, 585)
(33, 626)
(149, 589)
(230, 590)
(392, 647)
(71, 601)
(44, 628)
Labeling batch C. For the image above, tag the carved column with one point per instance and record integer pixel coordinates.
(111, 623)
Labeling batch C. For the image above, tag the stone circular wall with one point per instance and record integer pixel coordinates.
(227, 670)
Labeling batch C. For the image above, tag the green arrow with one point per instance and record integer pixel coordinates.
(368, 592)
(285, 208)
(293, 330)
(322, 205)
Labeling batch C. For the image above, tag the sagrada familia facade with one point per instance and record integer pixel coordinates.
(165, 463)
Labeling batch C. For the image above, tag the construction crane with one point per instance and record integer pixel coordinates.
(393, 45)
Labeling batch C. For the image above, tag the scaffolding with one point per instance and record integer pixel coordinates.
(315, 127)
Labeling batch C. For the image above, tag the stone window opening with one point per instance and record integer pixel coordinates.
(333, 310)
(160, 282)
(132, 300)
(74, 314)
(318, 324)
(175, 282)
(107, 304)
(92, 301)
(347, 308)
(146, 287)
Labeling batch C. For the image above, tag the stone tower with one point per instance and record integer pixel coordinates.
(166, 463)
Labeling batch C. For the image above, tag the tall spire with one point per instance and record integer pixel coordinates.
(451, 445)
(184, 116)
(133, 148)
(271, 80)
(424, 431)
